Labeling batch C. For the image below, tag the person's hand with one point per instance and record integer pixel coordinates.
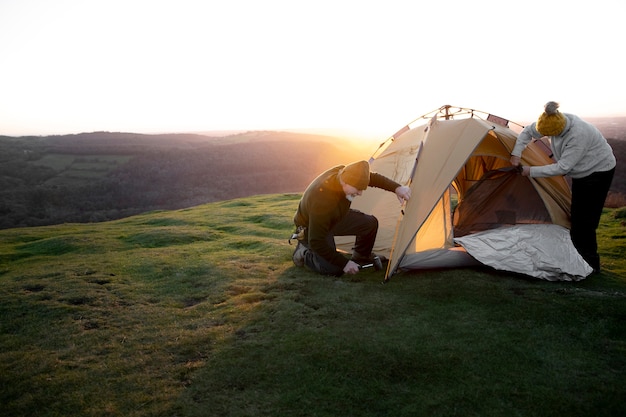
(526, 171)
(351, 268)
(403, 193)
(515, 160)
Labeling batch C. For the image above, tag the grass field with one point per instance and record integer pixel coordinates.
(200, 312)
(76, 170)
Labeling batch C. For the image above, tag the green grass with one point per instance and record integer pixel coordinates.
(200, 312)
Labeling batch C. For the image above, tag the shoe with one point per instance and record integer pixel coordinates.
(298, 255)
(359, 259)
(373, 260)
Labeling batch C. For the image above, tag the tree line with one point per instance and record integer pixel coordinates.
(155, 178)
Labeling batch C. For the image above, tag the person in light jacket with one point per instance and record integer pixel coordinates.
(582, 153)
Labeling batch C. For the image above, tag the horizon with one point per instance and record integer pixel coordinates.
(323, 131)
(187, 66)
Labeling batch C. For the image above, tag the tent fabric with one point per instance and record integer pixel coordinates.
(448, 160)
(539, 250)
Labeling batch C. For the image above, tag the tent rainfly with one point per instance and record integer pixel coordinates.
(469, 206)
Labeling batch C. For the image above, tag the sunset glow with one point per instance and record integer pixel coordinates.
(72, 66)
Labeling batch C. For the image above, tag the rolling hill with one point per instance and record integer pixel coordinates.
(104, 176)
(99, 176)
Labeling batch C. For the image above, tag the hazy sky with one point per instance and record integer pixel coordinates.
(69, 66)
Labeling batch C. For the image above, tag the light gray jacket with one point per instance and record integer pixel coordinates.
(580, 150)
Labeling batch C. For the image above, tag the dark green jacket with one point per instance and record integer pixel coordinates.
(324, 204)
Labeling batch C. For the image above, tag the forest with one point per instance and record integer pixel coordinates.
(106, 176)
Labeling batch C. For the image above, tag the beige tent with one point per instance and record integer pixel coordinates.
(456, 162)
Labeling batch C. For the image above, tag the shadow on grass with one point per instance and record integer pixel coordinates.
(438, 343)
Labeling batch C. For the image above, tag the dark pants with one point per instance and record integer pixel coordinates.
(588, 196)
(356, 223)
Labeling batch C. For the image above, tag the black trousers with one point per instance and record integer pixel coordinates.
(363, 226)
(588, 196)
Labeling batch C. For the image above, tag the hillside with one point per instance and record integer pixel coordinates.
(200, 312)
(104, 176)
(99, 176)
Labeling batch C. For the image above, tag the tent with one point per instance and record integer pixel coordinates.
(469, 206)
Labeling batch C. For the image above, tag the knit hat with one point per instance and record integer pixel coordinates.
(356, 174)
(552, 121)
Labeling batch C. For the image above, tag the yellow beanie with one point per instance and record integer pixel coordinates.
(552, 121)
(357, 174)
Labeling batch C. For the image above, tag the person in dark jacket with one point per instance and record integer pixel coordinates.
(324, 212)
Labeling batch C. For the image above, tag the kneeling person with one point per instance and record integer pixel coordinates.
(324, 212)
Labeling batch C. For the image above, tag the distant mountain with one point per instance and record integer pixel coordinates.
(611, 127)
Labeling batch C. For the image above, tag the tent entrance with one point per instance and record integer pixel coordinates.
(433, 246)
(500, 198)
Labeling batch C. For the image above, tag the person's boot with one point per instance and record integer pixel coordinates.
(298, 254)
(360, 259)
(367, 261)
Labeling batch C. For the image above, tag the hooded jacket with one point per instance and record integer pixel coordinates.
(324, 204)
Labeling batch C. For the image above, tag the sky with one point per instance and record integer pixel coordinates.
(366, 67)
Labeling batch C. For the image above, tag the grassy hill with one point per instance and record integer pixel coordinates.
(101, 176)
(200, 312)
